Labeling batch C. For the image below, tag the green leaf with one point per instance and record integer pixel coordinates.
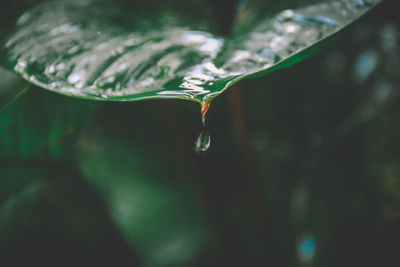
(41, 125)
(104, 51)
(10, 86)
(53, 219)
(151, 198)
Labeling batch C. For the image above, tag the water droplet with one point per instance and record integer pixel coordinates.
(203, 120)
(202, 143)
(23, 19)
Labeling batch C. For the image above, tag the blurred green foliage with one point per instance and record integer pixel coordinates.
(41, 125)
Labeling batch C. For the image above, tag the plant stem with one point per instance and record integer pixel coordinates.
(238, 118)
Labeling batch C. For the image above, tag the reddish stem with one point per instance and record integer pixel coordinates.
(241, 130)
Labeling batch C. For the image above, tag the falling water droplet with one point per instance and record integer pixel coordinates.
(203, 141)
(202, 144)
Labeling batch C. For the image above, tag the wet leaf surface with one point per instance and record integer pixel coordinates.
(99, 50)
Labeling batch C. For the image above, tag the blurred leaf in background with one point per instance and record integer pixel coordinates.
(49, 218)
(42, 125)
(10, 86)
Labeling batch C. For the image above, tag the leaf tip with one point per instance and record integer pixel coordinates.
(204, 108)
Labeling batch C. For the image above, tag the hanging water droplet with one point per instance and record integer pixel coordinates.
(203, 120)
(202, 143)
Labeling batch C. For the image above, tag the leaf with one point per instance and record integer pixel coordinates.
(47, 214)
(41, 125)
(10, 86)
(150, 197)
(104, 51)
